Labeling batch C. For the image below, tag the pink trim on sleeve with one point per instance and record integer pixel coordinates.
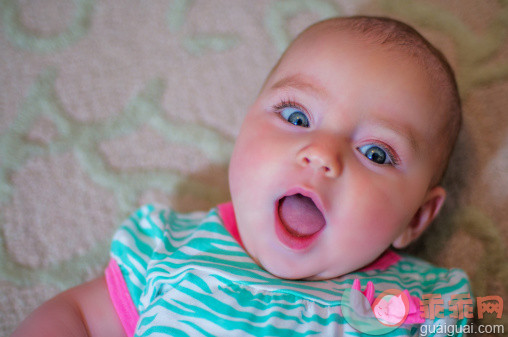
(227, 215)
(120, 296)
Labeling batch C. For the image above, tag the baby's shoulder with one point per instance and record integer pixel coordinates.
(156, 228)
(155, 219)
(429, 278)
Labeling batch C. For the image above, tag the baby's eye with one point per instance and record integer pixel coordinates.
(295, 116)
(376, 154)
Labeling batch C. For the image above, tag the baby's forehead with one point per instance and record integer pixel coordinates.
(328, 48)
(377, 39)
(376, 34)
(329, 37)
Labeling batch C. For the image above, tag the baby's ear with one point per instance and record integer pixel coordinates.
(423, 218)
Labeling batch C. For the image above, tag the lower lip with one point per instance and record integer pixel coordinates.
(289, 240)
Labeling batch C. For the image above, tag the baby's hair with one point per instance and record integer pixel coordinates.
(397, 35)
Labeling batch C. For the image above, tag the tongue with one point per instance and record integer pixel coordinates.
(300, 215)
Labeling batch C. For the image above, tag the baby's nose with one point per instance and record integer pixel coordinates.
(321, 158)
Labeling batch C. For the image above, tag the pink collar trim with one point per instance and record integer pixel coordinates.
(227, 214)
(386, 260)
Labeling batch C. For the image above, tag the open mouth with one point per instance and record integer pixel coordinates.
(301, 221)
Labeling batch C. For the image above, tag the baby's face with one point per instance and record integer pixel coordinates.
(334, 159)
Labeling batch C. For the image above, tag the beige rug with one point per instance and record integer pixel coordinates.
(106, 105)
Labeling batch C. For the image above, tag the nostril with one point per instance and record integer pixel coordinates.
(327, 166)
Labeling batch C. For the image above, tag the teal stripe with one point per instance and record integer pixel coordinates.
(246, 299)
(214, 308)
(168, 331)
(123, 252)
(246, 325)
(147, 320)
(177, 236)
(179, 255)
(155, 230)
(198, 328)
(198, 282)
(134, 291)
(144, 248)
(298, 291)
(221, 264)
(454, 288)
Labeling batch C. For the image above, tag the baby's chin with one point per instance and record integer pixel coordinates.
(301, 274)
(308, 277)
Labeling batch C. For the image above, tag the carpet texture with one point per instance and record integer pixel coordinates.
(107, 105)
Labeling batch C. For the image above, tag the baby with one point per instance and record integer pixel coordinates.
(339, 159)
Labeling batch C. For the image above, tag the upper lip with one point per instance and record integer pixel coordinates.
(309, 194)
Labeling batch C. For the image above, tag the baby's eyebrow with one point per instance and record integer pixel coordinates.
(300, 82)
(406, 132)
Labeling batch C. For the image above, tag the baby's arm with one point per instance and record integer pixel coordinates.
(85, 310)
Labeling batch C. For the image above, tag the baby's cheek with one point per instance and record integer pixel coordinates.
(379, 217)
(241, 160)
(245, 154)
(384, 226)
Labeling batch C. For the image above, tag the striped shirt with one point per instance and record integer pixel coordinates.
(178, 274)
